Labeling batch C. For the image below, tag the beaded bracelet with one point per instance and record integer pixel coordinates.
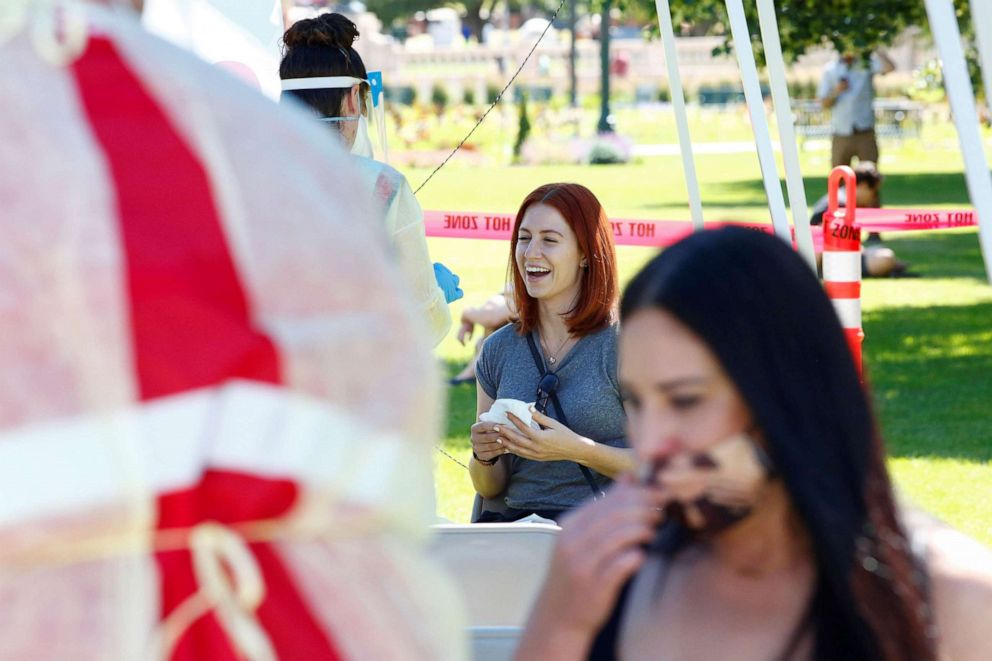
(484, 462)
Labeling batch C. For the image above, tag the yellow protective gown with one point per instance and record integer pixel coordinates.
(404, 226)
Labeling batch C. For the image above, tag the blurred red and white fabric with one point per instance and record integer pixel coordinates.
(217, 403)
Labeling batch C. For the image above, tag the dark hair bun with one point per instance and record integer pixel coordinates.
(330, 30)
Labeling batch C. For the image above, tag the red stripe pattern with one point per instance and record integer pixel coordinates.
(843, 289)
(191, 328)
(190, 315)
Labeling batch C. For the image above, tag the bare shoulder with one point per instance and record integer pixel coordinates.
(961, 578)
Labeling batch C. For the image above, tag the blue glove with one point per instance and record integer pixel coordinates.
(448, 282)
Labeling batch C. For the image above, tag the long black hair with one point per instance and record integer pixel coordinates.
(317, 47)
(761, 310)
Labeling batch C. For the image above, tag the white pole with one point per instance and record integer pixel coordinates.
(786, 130)
(759, 123)
(944, 26)
(678, 104)
(981, 16)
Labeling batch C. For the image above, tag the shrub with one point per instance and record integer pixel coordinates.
(609, 149)
(558, 102)
(604, 153)
(590, 101)
(492, 93)
(523, 126)
(439, 98)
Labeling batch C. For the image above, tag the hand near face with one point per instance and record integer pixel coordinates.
(710, 490)
(598, 550)
(737, 474)
(555, 442)
(729, 473)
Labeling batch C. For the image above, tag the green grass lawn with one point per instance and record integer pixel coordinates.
(928, 352)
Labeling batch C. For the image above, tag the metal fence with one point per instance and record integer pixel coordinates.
(894, 118)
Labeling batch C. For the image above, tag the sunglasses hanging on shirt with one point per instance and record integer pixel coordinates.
(547, 389)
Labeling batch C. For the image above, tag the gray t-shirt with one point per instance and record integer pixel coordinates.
(589, 394)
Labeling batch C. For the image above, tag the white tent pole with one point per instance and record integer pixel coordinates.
(944, 26)
(786, 130)
(678, 104)
(981, 16)
(759, 123)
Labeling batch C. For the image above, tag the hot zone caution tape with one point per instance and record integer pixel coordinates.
(659, 233)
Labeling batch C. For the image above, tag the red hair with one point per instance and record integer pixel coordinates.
(596, 304)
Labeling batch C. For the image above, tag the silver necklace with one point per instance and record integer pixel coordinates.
(553, 357)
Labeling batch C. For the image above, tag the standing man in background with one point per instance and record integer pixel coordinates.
(847, 90)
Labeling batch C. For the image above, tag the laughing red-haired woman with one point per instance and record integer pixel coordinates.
(561, 354)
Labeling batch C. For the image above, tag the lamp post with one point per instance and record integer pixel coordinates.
(573, 92)
(606, 122)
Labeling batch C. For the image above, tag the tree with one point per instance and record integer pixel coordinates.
(858, 26)
(523, 126)
(605, 125)
(389, 11)
(472, 11)
(473, 15)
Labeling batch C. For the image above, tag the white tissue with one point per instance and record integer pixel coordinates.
(497, 413)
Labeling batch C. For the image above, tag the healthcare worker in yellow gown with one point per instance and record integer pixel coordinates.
(321, 69)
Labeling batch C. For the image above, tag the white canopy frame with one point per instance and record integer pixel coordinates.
(681, 118)
(759, 123)
(981, 15)
(775, 63)
(944, 26)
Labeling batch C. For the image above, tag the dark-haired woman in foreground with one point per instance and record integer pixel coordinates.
(564, 285)
(764, 524)
(321, 68)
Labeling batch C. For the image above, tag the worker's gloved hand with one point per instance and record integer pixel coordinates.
(448, 282)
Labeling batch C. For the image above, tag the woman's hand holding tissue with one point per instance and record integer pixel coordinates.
(486, 443)
(555, 442)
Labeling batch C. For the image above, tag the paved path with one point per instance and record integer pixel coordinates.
(672, 149)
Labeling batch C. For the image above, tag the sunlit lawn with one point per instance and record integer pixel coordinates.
(928, 351)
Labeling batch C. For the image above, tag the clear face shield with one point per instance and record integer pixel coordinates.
(371, 110)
